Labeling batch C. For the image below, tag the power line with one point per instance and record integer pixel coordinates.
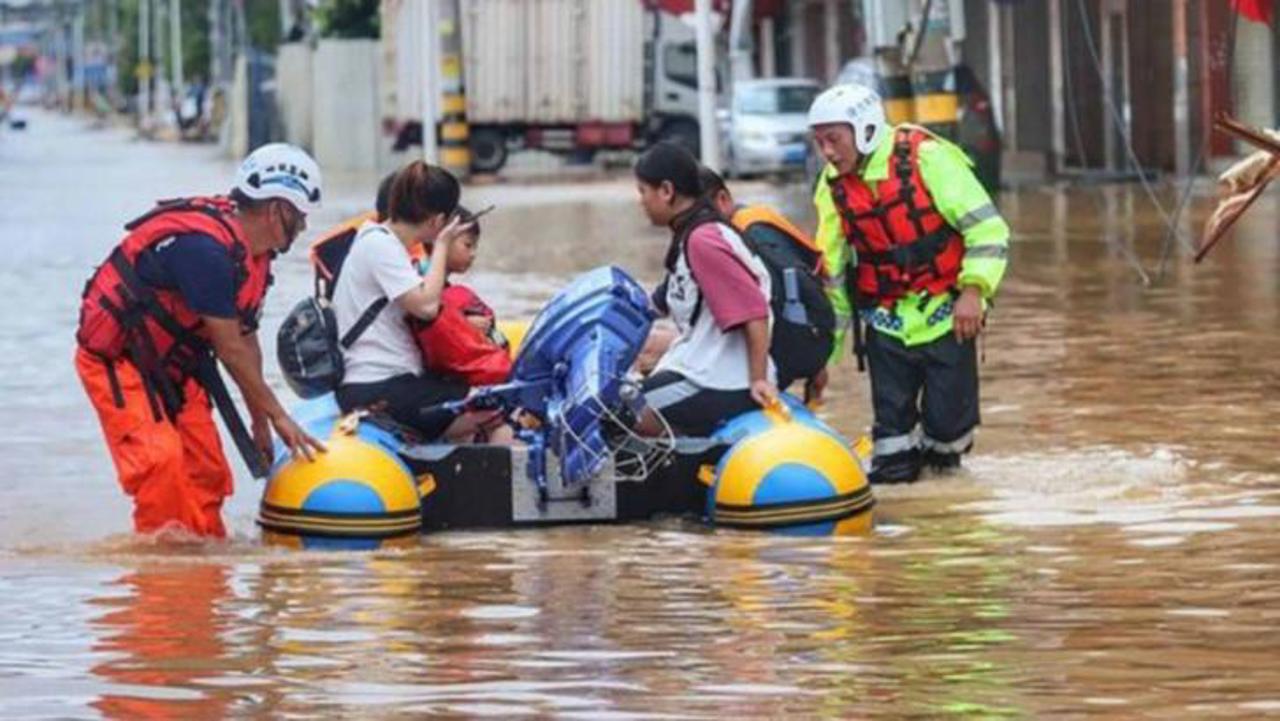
(1166, 250)
(1130, 256)
(1118, 120)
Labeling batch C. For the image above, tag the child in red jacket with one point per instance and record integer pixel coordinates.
(463, 340)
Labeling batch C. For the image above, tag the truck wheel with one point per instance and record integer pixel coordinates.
(488, 150)
(683, 133)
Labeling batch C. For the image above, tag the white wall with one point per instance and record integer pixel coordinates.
(294, 87)
(235, 134)
(345, 100)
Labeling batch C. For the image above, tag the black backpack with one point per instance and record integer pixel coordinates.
(308, 347)
(804, 322)
(307, 344)
(329, 252)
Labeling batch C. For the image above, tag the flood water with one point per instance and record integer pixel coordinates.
(1109, 549)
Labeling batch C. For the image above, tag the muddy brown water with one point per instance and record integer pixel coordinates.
(1109, 550)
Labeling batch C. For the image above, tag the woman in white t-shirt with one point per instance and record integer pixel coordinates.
(379, 286)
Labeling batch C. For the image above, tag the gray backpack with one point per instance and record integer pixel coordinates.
(309, 350)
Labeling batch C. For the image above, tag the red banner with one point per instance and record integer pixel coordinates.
(763, 8)
(1259, 11)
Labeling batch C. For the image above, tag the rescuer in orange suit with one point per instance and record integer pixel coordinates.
(182, 291)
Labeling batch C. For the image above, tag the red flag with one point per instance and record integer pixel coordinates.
(1258, 11)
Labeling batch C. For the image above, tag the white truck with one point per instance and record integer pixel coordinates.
(567, 76)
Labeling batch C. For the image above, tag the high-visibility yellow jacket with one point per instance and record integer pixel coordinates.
(961, 200)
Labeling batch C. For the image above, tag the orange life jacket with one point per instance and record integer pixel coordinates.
(123, 316)
(746, 216)
(903, 243)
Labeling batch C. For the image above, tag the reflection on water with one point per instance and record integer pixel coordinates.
(944, 613)
(157, 637)
(1108, 551)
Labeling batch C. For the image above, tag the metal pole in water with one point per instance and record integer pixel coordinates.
(708, 136)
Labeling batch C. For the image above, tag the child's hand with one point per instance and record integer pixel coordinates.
(453, 231)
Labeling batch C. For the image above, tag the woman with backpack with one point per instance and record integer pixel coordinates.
(379, 287)
(803, 318)
(717, 293)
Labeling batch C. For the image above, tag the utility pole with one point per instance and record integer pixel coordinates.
(740, 66)
(215, 43)
(286, 18)
(175, 49)
(1057, 97)
(796, 35)
(77, 41)
(113, 48)
(159, 61)
(60, 59)
(454, 136)
(1181, 91)
(831, 38)
(708, 138)
(144, 63)
(995, 63)
(430, 64)
(768, 50)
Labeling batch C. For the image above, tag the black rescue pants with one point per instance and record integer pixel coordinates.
(934, 386)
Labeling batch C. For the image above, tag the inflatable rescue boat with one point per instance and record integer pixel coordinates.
(779, 469)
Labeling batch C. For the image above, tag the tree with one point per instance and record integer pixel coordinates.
(262, 21)
(348, 18)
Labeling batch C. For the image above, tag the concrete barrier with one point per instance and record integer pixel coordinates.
(294, 87)
(235, 133)
(345, 102)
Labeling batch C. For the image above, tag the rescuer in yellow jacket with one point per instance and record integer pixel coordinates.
(923, 250)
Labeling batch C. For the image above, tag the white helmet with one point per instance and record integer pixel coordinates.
(857, 105)
(280, 170)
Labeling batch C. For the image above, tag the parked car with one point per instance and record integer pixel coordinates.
(974, 125)
(765, 125)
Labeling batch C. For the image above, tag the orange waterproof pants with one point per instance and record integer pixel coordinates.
(175, 471)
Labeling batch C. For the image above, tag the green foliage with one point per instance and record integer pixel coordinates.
(262, 23)
(23, 66)
(348, 18)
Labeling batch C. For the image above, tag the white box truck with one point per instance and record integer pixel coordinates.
(567, 76)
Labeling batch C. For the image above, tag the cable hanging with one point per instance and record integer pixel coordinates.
(1130, 256)
(1166, 250)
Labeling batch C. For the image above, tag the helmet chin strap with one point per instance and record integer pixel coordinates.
(861, 162)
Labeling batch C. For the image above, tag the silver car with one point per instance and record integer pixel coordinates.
(765, 125)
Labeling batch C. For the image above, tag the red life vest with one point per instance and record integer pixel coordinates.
(123, 316)
(903, 243)
(451, 345)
